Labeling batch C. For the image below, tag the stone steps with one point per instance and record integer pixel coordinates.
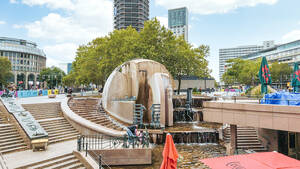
(2, 120)
(59, 130)
(44, 110)
(10, 139)
(89, 109)
(247, 138)
(60, 162)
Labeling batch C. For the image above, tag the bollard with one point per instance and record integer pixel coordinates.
(86, 149)
(83, 138)
(79, 143)
(100, 162)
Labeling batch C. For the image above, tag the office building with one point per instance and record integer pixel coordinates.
(26, 60)
(130, 12)
(69, 68)
(285, 53)
(178, 21)
(231, 53)
(66, 67)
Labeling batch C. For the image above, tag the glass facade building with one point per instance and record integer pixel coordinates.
(286, 53)
(178, 21)
(231, 53)
(130, 12)
(26, 59)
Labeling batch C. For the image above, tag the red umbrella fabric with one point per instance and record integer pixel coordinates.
(266, 160)
(170, 154)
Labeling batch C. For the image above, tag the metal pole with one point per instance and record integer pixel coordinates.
(86, 149)
(100, 162)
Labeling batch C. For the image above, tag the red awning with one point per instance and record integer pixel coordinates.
(266, 160)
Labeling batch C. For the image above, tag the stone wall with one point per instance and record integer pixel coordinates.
(199, 84)
(126, 156)
(269, 138)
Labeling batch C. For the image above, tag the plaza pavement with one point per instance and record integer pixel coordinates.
(40, 99)
(18, 159)
(22, 158)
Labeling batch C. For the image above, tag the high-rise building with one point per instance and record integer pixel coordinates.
(231, 53)
(130, 12)
(69, 68)
(178, 21)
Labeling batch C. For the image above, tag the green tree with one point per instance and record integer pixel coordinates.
(96, 60)
(5, 69)
(241, 72)
(53, 76)
(280, 72)
(159, 44)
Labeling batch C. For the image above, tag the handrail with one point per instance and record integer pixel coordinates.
(99, 142)
(2, 162)
(100, 161)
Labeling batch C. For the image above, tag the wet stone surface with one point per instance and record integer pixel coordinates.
(189, 156)
(194, 126)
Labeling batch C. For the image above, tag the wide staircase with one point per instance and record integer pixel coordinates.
(10, 139)
(92, 110)
(63, 162)
(247, 139)
(50, 117)
(2, 119)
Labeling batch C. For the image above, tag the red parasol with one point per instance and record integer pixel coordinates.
(170, 154)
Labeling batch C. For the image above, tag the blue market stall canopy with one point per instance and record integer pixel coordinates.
(282, 98)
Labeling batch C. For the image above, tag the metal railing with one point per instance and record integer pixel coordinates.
(2, 162)
(98, 159)
(155, 115)
(100, 142)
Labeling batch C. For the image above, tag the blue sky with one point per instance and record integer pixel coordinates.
(59, 26)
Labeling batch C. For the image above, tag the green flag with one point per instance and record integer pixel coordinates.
(296, 78)
(264, 76)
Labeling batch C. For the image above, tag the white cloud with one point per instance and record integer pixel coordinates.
(163, 20)
(53, 4)
(78, 22)
(2, 22)
(13, 1)
(16, 26)
(291, 36)
(86, 20)
(61, 29)
(211, 6)
(64, 52)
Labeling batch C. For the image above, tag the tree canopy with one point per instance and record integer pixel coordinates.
(280, 72)
(5, 69)
(96, 60)
(246, 72)
(53, 76)
(241, 71)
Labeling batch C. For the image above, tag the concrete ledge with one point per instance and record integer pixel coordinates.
(275, 117)
(126, 156)
(83, 124)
